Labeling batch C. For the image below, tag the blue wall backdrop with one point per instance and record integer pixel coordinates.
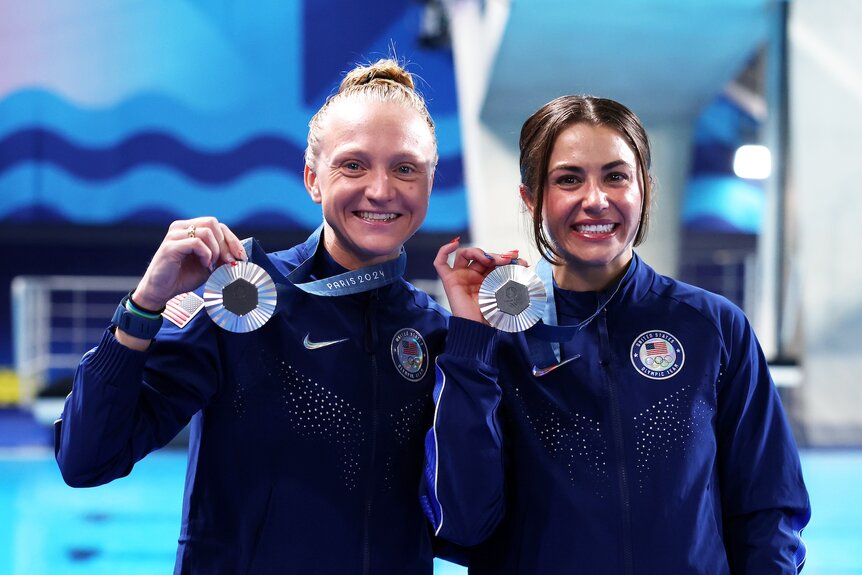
(119, 116)
(716, 200)
(143, 112)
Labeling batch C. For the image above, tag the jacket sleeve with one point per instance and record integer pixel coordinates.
(764, 499)
(125, 403)
(462, 489)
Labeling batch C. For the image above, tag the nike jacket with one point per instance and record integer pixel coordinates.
(305, 450)
(659, 444)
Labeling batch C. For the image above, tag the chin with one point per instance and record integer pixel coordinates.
(590, 260)
(378, 251)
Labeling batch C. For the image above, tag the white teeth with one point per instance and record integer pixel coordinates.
(595, 228)
(376, 216)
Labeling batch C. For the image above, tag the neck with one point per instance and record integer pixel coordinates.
(350, 260)
(584, 278)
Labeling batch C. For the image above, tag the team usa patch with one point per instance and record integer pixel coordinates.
(182, 308)
(657, 354)
(410, 354)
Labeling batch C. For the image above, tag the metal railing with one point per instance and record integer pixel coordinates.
(55, 320)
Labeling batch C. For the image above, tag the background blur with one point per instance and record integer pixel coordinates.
(117, 117)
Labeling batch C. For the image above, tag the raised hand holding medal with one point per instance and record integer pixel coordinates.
(502, 291)
(496, 289)
(183, 261)
(242, 296)
(512, 298)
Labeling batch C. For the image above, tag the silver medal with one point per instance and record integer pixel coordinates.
(240, 297)
(512, 298)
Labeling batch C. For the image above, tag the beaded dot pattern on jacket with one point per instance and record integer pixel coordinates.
(669, 426)
(407, 425)
(574, 440)
(409, 418)
(316, 413)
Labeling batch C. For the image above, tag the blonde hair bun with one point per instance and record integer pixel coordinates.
(383, 81)
(387, 70)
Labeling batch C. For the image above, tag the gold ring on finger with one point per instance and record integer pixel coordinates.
(190, 231)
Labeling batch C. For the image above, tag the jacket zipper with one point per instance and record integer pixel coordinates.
(619, 444)
(370, 348)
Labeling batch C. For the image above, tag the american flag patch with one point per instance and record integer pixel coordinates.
(657, 347)
(182, 308)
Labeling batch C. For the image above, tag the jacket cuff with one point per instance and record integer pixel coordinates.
(472, 340)
(110, 359)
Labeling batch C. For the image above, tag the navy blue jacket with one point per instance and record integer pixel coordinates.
(300, 460)
(662, 448)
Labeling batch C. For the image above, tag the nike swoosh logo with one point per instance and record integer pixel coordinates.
(318, 344)
(540, 371)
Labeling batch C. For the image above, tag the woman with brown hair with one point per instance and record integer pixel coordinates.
(636, 429)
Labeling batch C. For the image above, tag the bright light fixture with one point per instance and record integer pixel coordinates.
(752, 162)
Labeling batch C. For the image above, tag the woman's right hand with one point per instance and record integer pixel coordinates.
(464, 277)
(186, 257)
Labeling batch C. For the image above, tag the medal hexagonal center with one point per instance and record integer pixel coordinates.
(512, 297)
(239, 296)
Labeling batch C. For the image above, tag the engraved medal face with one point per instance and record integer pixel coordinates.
(240, 297)
(512, 298)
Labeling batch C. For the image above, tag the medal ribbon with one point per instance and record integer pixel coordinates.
(349, 282)
(544, 338)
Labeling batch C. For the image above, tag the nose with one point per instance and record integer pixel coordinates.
(596, 200)
(379, 187)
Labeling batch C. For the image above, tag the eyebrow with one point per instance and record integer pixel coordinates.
(361, 153)
(578, 169)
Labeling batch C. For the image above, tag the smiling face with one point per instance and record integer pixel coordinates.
(592, 205)
(372, 176)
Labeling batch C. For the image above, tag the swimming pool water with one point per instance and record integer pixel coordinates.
(130, 526)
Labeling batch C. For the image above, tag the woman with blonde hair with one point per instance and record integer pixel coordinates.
(306, 434)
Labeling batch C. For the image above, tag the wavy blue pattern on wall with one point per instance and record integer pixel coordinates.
(102, 127)
(109, 118)
(262, 152)
(156, 195)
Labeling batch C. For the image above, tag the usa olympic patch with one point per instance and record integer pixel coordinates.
(657, 354)
(410, 354)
